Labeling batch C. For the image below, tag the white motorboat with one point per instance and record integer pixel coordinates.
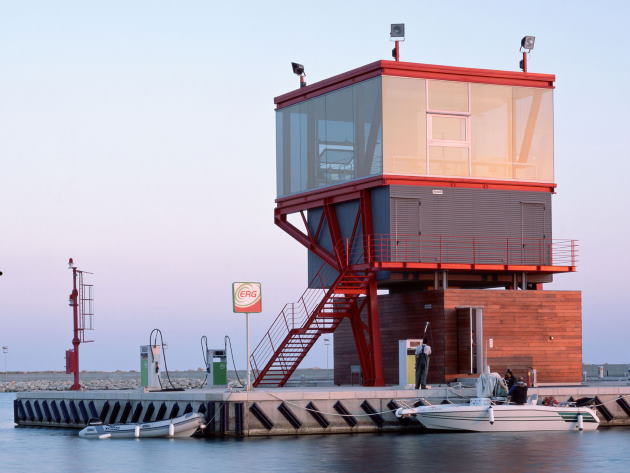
(182, 426)
(482, 415)
(491, 411)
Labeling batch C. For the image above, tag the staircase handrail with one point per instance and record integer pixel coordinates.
(281, 326)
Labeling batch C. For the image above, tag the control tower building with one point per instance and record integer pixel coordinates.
(418, 190)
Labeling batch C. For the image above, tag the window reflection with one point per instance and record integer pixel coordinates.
(330, 139)
(467, 130)
(417, 127)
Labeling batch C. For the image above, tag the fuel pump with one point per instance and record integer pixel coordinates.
(216, 367)
(150, 366)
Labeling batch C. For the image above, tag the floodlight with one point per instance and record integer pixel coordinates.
(528, 42)
(298, 69)
(397, 32)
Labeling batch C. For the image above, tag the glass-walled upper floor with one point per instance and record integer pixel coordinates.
(330, 139)
(416, 127)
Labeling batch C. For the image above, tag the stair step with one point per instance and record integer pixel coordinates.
(323, 318)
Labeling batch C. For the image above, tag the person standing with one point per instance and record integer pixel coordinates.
(423, 352)
(510, 379)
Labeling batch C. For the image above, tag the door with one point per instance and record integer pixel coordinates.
(533, 239)
(471, 353)
(465, 356)
(406, 241)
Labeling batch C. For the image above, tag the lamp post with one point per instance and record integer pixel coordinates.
(298, 70)
(5, 352)
(326, 344)
(397, 34)
(527, 44)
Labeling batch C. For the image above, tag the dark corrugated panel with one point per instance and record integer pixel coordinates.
(473, 212)
(492, 215)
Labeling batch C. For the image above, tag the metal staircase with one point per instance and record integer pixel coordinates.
(320, 309)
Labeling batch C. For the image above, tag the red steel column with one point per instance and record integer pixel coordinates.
(375, 333)
(335, 232)
(358, 332)
(367, 226)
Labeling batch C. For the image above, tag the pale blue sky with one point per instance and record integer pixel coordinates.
(138, 138)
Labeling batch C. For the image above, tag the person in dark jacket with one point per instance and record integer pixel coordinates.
(518, 393)
(510, 379)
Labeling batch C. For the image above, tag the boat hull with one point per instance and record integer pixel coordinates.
(183, 426)
(506, 418)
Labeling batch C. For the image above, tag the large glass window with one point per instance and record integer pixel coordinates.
(448, 128)
(492, 127)
(330, 139)
(404, 137)
(416, 127)
(447, 96)
(459, 129)
(533, 134)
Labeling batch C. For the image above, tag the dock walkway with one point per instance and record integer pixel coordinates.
(278, 411)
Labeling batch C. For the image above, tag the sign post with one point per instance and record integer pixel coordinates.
(247, 298)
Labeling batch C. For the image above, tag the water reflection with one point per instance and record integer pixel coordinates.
(47, 450)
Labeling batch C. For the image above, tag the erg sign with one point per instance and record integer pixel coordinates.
(247, 297)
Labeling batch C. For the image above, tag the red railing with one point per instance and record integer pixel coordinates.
(293, 315)
(463, 250)
(387, 248)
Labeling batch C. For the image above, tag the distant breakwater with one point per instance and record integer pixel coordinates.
(90, 385)
(114, 380)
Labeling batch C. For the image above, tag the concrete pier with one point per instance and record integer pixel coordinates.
(279, 411)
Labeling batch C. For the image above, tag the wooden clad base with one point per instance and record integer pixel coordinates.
(529, 329)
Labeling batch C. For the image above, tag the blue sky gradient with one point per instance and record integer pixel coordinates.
(138, 137)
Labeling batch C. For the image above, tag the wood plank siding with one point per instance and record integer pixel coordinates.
(529, 329)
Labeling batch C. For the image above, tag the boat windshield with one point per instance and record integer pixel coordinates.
(491, 385)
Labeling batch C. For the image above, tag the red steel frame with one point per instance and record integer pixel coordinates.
(367, 336)
(414, 70)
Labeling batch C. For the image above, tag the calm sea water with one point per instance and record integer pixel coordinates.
(52, 450)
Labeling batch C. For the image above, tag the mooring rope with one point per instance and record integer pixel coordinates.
(330, 413)
(404, 405)
(607, 402)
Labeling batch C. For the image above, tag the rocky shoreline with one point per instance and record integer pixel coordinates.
(94, 384)
(99, 381)
(91, 385)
